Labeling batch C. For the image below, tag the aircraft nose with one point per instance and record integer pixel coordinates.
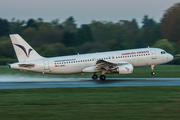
(170, 57)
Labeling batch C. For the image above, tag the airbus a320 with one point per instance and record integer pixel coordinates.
(120, 62)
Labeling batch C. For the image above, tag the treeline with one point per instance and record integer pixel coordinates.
(57, 38)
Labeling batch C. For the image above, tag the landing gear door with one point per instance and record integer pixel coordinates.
(153, 54)
(46, 65)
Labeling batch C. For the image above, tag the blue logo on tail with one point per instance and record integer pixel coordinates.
(24, 49)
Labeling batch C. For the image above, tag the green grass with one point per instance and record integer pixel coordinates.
(141, 72)
(110, 103)
(125, 103)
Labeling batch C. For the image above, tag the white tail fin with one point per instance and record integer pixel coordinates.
(24, 51)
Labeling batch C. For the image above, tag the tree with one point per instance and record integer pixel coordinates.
(49, 36)
(147, 22)
(31, 23)
(6, 49)
(49, 51)
(16, 26)
(84, 34)
(69, 25)
(171, 24)
(29, 33)
(113, 45)
(90, 47)
(4, 27)
(69, 39)
(55, 22)
(128, 33)
(71, 51)
(166, 45)
(98, 31)
(149, 32)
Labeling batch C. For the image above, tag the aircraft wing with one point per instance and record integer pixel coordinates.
(105, 65)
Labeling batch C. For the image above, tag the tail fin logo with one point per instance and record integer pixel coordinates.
(24, 49)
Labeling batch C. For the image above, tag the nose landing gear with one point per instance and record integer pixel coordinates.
(152, 68)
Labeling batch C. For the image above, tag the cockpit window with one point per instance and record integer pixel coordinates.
(163, 52)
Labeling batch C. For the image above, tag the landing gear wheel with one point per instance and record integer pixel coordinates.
(152, 68)
(94, 77)
(102, 77)
(153, 73)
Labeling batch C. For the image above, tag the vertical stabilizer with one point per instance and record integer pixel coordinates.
(24, 51)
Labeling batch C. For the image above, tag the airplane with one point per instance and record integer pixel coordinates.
(120, 62)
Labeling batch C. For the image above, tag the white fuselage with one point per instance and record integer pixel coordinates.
(77, 63)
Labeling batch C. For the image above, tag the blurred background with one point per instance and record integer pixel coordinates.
(92, 31)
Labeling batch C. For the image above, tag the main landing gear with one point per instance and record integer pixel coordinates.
(95, 77)
(102, 77)
(152, 68)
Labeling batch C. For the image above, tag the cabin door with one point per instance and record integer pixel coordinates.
(153, 54)
(46, 65)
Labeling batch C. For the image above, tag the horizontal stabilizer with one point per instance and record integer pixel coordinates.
(27, 65)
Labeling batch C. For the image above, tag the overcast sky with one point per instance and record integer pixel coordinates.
(84, 11)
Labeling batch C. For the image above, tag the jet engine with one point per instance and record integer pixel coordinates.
(125, 69)
(122, 69)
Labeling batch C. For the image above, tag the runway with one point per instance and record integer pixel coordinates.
(27, 83)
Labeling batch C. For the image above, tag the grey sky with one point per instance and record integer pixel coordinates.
(84, 11)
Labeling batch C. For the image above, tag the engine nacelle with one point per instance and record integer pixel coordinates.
(125, 69)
